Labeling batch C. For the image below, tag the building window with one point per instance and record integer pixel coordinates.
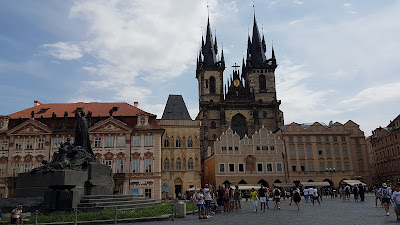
(346, 166)
(358, 140)
(148, 141)
(322, 166)
(241, 167)
(303, 167)
(135, 166)
(222, 167)
(330, 165)
(338, 166)
(309, 152)
(18, 144)
(190, 164)
(307, 139)
(27, 167)
(292, 152)
(359, 156)
(335, 138)
(121, 141)
(120, 166)
(269, 167)
(318, 139)
(40, 143)
(136, 141)
(166, 164)
(231, 167)
(291, 138)
(337, 153)
(97, 142)
(328, 152)
(213, 125)
(326, 138)
(264, 114)
(108, 163)
(343, 138)
(300, 139)
(4, 145)
(212, 85)
(147, 193)
(178, 164)
(262, 83)
(166, 142)
(178, 142)
(147, 165)
(206, 83)
(294, 167)
(320, 151)
(279, 167)
(344, 151)
(29, 144)
(311, 166)
(190, 142)
(260, 168)
(109, 142)
(301, 151)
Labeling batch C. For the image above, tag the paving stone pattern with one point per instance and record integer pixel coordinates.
(330, 212)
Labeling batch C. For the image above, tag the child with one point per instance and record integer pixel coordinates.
(200, 204)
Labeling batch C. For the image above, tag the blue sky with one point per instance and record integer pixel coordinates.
(338, 60)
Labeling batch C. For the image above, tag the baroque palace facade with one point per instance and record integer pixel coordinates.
(122, 136)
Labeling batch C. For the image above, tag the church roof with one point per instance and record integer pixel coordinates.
(175, 109)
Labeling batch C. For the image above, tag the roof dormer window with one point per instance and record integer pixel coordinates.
(142, 121)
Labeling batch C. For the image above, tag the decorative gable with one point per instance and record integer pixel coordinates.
(110, 125)
(30, 127)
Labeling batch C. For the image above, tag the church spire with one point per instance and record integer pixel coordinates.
(208, 47)
(255, 48)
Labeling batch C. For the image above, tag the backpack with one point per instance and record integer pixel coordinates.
(296, 194)
(277, 192)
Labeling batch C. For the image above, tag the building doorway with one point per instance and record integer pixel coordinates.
(178, 188)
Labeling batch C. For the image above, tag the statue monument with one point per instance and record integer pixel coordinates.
(73, 172)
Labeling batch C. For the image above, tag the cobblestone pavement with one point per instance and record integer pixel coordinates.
(330, 212)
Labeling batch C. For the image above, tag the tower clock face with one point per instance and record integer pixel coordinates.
(236, 83)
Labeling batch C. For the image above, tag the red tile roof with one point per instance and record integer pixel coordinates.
(97, 108)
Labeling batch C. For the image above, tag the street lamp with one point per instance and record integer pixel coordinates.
(331, 170)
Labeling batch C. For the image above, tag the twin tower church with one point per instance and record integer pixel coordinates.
(247, 102)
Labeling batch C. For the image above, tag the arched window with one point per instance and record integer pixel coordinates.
(212, 85)
(213, 125)
(178, 164)
(214, 137)
(239, 124)
(166, 142)
(262, 82)
(178, 142)
(166, 164)
(190, 142)
(190, 164)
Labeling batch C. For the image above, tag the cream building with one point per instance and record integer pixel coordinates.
(181, 166)
(258, 159)
(319, 152)
(122, 136)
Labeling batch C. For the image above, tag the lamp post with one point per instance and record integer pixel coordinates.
(331, 170)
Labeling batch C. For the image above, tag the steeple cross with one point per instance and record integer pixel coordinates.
(235, 66)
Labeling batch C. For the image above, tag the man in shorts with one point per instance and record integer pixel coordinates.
(386, 193)
(277, 198)
(263, 197)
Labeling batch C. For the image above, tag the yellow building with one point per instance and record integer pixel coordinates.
(181, 166)
(318, 152)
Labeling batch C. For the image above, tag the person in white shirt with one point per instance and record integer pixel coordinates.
(305, 191)
(200, 204)
(396, 199)
(16, 215)
(311, 194)
(386, 193)
(315, 195)
(207, 197)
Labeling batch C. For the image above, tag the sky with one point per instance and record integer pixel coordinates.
(338, 60)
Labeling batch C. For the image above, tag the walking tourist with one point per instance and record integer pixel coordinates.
(267, 194)
(386, 194)
(396, 199)
(200, 204)
(305, 192)
(297, 197)
(237, 197)
(355, 193)
(263, 198)
(231, 200)
(311, 194)
(207, 198)
(254, 197)
(315, 196)
(347, 190)
(361, 192)
(220, 199)
(378, 196)
(16, 216)
(226, 198)
(277, 198)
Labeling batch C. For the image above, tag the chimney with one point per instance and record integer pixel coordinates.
(36, 103)
(135, 104)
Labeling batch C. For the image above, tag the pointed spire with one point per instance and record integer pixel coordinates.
(215, 43)
(264, 46)
(200, 58)
(255, 47)
(208, 47)
(273, 52)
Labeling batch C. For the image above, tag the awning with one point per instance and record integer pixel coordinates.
(192, 189)
(316, 184)
(353, 182)
(247, 187)
(284, 184)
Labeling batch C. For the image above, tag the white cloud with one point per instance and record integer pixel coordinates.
(64, 50)
(298, 2)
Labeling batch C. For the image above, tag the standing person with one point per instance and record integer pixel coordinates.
(220, 199)
(385, 193)
(277, 198)
(378, 196)
(263, 198)
(267, 194)
(237, 197)
(305, 191)
(347, 190)
(207, 198)
(226, 198)
(16, 216)
(355, 193)
(297, 197)
(311, 194)
(231, 200)
(361, 192)
(396, 199)
(200, 204)
(315, 196)
(253, 195)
